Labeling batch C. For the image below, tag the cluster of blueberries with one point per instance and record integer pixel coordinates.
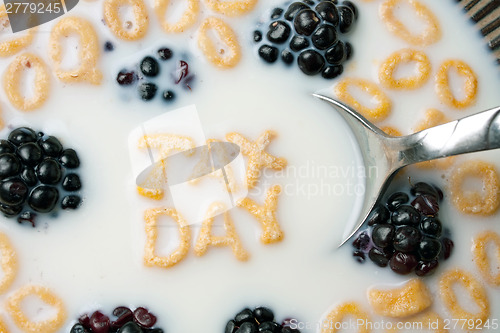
(259, 320)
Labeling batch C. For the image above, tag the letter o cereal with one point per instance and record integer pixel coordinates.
(10, 47)
(332, 322)
(89, 50)
(12, 82)
(113, 20)
(216, 55)
(476, 292)
(378, 113)
(187, 20)
(390, 66)
(481, 258)
(443, 89)
(231, 8)
(15, 309)
(432, 32)
(8, 263)
(474, 202)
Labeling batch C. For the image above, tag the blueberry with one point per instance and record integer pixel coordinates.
(306, 22)
(407, 239)
(293, 9)
(247, 327)
(130, 327)
(263, 314)
(405, 215)
(352, 6)
(447, 247)
(332, 72)
(278, 32)
(422, 188)
(28, 175)
(287, 56)
(328, 12)
(69, 159)
(149, 66)
(426, 204)
(324, 37)
(429, 248)
(230, 327)
(9, 165)
(71, 202)
(13, 192)
(108, 46)
(269, 326)
(403, 263)
(336, 53)
(257, 36)
(298, 43)
(359, 256)
(276, 13)
(383, 234)
(426, 267)
(147, 91)
(126, 78)
(78, 328)
(348, 50)
(268, 53)
(51, 146)
(6, 147)
(245, 315)
(71, 182)
(10, 211)
(123, 315)
(30, 153)
(165, 53)
(380, 257)
(396, 200)
(49, 171)
(379, 214)
(362, 241)
(431, 226)
(347, 19)
(168, 95)
(22, 135)
(310, 62)
(43, 198)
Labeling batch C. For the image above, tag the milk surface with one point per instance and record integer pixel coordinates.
(92, 258)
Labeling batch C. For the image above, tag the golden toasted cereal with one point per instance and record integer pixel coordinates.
(378, 113)
(114, 21)
(266, 215)
(15, 309)
(187, 20)
(392, 131)
(476, 292)
(154, 184)
(12, 46)
(433, 118)
(206, 238)
(8, 263)
(224, 52)
(411, 298)
(429, 35)
(483, 202)
(443, 88)
(3, 326)
(390, 66)
(482, 259)
(258, 158)
(233, 7)
(13, 77)
(428, 320)
(88, 46)
(151, 217)
(333, 320)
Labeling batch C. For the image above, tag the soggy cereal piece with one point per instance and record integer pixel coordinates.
(433, 118)
(392, 131)
(476, 293)
(412, 298)
(378, 113)
(12, 46)
(206, 238)
(88, 46)
(426, 320)
(343, 312)
(390, 66)
(443, 88)
(482, 259)
(187, 20)
(114, 21)
(3, 326)
(151, 217)
(429, 35)
(266, 215)
(216, 54)
(15, 309)
(233, 7)
(483, 202)
(258, 158)
(8, 263)
(13, 77)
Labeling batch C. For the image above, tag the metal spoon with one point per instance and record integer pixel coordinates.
(384, 155)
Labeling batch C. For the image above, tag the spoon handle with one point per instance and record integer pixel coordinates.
(474, 133)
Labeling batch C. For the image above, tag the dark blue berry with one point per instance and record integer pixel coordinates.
(6, 147)
(336, 53)
(147, 91)
(168, 95)
(276, 13)
(362, 241)
(126, 78)
(30, 153)
(43, 198)
(108, 46)
(28, 175)
(78, 328)
(51, 146)
(293, 9)
(407, 239)
(348, 50)
(22, 135)
(306, 22)
(332, 72)
(298, 43)
(403, 263)
(352, 6)
(396, 200)
(245, 315)
(379, 214)
(447, 247)
(360, 256)
(426, 204)
(10, 211)
(429, 248)
(380, 257)
(257, 36)
(431, 226)
(324, 37)
(49, 171)
(71, 202)
(383, 234)
(287, 56)
(230, 327)
(269, 326)
(165, 53)
(347, 19)
(278, 32)
(310, 62)
(71, 182)
(149, 66)
(262, 314)
(247, 327)
(405, 215)
(268, 53)
(422, 188)
(328, 12)
(69, 159)
(13, 192)
(130, 327)
(9, 165)
(426, 267)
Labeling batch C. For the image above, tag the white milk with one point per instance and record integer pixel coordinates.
(92, 258)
